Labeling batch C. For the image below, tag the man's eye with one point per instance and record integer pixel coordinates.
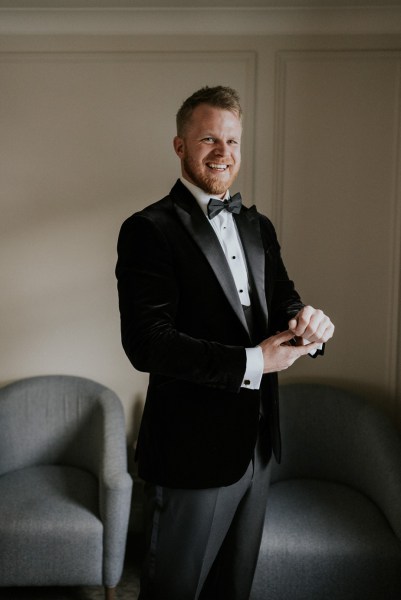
(209, 140)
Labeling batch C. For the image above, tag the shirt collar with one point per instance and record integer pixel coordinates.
(200, 196)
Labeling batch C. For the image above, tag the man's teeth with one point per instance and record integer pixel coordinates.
(218, 167)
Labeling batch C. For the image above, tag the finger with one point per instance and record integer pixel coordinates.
(283, 337)
(310, 321)
(321, 334)
(307, 348)
(300, 322)
(329, 332)
(313, 325)
(320, 331)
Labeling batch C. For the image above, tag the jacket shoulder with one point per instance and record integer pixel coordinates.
(267, 228)
(162, 209)
(152, 212)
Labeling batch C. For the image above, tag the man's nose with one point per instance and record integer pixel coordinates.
(222, 148)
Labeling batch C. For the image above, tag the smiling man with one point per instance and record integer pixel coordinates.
(209, 146)
(207, 308)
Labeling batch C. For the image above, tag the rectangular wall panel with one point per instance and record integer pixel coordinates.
(85, 141)
(337, 206)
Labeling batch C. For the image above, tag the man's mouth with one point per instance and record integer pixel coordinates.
(217, 167)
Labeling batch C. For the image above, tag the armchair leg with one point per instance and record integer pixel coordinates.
(110, 593)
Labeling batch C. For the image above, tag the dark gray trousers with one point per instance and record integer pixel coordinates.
(203, 544)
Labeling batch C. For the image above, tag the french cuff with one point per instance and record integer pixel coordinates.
(254, 368)
(318, 352)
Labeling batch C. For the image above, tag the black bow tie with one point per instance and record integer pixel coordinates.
(215, 206)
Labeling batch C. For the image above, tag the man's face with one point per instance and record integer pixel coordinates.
(210, 149)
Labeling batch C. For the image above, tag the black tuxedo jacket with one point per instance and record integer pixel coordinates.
(182, 321)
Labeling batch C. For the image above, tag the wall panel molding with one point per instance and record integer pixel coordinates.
(395, 333)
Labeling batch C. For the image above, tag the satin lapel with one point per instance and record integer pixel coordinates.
(202, 233)
(249, 230)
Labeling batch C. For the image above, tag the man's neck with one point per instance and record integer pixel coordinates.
(199, 192)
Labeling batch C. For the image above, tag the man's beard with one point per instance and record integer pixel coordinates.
(208, 182)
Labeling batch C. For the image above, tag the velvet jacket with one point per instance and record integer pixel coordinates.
(182, 322)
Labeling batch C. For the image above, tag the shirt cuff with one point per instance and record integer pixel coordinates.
(254, 368)
(319, 350)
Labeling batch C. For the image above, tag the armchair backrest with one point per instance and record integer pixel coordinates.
(55, 419)
(332, 434)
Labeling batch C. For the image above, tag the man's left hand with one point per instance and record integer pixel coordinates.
(311, 325)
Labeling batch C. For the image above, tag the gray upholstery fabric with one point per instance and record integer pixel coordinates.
(64, 488)
(333, 524)
(54, 511)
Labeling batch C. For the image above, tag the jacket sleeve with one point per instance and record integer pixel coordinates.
(148, 301)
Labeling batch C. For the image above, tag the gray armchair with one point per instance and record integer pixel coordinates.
(333, 524)
(64, 488)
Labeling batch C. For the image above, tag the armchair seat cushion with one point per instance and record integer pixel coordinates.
(53, 511)
(319, 529)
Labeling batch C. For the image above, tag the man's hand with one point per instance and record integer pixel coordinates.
(308, 329)
(311, 325)
(279, 353)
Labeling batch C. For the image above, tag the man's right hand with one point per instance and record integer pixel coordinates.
(279, 353)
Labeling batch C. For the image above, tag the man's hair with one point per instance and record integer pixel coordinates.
(220, 96)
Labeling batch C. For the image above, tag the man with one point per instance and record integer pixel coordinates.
(208, 310)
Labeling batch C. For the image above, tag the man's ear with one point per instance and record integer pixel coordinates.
(178, 146)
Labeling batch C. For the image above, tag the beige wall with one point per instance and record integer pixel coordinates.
(85, 140)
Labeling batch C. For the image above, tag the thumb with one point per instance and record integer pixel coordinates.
(292, 324)
(284, 336)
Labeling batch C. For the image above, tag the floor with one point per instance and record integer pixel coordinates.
(128, 588)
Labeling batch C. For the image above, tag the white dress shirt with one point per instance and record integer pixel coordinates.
(225, 229)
